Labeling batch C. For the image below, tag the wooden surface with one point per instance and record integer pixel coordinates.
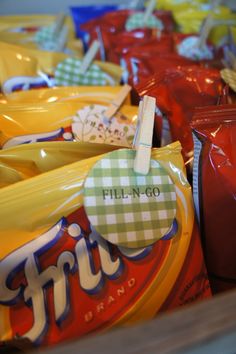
(208, 327)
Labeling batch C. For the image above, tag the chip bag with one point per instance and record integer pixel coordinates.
(90, 94)
(21, 29)
(24, 69)
(214, 190)
(28, 160)
(74, 280)
(68, 121)
(178, 91)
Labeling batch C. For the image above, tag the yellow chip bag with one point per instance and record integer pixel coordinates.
(21, 29)
(24, 69)
(60, 279)
(91, 94)
(179, 5)
(66, 121)
(190, 19)
(29, 160)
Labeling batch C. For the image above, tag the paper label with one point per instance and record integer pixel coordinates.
(126, 208)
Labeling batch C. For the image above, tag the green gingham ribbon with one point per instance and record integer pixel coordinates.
(126, 208)
(68, 73)
(137, 21)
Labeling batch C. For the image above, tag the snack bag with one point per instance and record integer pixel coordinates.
(90, 94)
(178, 91)
(28, 160)
(191, 18)
(21, 29)
(68, 121)
(114, 22)
(24, 69)
(214, 171)
(75, 281)
(179, 5)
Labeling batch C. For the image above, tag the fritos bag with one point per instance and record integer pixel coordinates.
(66, 121)
(74, 280)
(21, 29)
(214, 190)
(178, 91)
(91, 94)
(24, 69)
(29, 160)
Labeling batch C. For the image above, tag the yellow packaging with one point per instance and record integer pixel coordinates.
(21, 29)
(66, 121)
(29, 160)
(74, 281)
(21, 68)
(174, 5)
(190, 20)
(91, 94)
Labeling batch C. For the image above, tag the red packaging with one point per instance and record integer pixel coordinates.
(215, 189)
(141, 64)
(178, 91)
(114, 22)
(118, 44)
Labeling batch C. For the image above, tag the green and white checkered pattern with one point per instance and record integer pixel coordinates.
(46, 39)
(136, 21)
(67, 73)
(134, 219)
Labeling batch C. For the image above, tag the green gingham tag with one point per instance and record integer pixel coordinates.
(126, 208)
(137, 21)
(68, 73)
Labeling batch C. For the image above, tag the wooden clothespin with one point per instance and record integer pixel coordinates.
(117, 102)
(149, 10)
(89, 56)
(143, 139)
(59, 22)
(205, 31)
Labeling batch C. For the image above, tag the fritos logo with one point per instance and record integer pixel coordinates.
(69, 281)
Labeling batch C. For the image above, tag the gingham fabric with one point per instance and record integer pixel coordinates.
(121, 205)
(229, 76)
(136, 21)
(67, 73)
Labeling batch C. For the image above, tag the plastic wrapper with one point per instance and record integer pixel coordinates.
(178, 91)
(76, 282)
(28, 160)
(113, 23)
(214, 131)
(23, 69)
(21, 29)
(68, 121)
(94, 94)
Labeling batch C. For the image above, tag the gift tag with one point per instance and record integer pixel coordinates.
(68, 73)
(126, 208)
(90, 124)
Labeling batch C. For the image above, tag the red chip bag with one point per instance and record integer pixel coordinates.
(141, 64)
(114, 22)
(215, 190)
(120, 43)
(178, 91)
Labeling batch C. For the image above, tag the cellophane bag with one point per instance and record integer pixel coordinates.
(90, 94)
(24, 161)
(60, 279)
(66, 121)
(214, 189)
(178, 91)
